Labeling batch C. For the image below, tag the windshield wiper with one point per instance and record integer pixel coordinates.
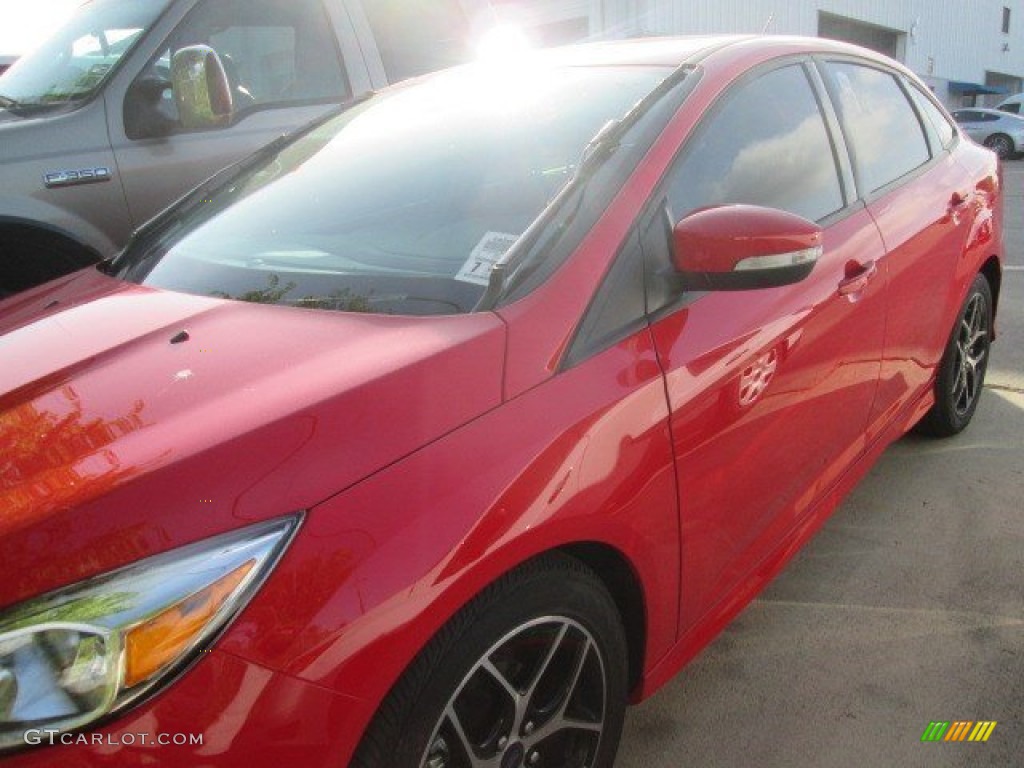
(7, 102)
(516, 264)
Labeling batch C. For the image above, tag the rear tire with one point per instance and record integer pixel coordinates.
(1001, 144)
(31, 257)
(530, 673)
(961, 375)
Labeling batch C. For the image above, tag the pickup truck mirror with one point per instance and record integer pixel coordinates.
(201, 88)
(739, 247)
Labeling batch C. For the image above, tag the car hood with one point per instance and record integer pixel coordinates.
(133, 420)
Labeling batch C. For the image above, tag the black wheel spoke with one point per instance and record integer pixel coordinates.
(466, 746)
(547, 662)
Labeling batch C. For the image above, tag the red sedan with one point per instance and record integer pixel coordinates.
(431, 437)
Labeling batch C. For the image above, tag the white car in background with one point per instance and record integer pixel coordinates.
(1011, 104)
(1000, 131)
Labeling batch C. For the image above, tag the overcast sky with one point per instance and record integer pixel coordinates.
(23, 23)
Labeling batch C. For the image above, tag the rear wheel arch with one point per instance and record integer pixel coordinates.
(993, 272)
(960, 376)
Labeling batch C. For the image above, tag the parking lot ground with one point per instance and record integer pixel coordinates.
(906, 608)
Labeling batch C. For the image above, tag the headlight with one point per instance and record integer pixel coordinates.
(72, 656)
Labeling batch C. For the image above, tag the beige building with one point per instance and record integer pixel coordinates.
(964, 49)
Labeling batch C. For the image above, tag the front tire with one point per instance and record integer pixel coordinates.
(961, 375)
(531, 674)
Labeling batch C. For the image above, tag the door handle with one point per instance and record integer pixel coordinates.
(858, 281)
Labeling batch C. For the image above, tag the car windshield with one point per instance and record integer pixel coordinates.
(399, 205)
(72, 64)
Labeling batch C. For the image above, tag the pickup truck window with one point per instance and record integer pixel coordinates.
(71, 66)
(274, 54)
(417, 36)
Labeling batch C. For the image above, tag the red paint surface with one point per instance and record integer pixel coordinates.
(434, 454)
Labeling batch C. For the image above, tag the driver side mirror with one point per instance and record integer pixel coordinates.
(741, 247)
(201, 89)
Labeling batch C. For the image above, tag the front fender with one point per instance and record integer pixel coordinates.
(379, 569)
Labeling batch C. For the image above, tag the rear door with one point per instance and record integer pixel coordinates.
(900, 141)
(769, 389)
(287, 63)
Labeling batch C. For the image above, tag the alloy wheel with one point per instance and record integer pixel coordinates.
(536, 699)
(971, 351)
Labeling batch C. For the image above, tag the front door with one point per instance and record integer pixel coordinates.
(769, 389)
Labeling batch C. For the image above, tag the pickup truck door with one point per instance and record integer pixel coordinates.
(287, 63)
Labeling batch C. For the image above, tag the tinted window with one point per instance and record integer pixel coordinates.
(417, 36)
(401, 204)
(884, 133)
(964, 116)
(934, 119)
(767, 146)
(273, 53)
(1013, 108)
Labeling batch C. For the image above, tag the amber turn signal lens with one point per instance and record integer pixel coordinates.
(155, 643)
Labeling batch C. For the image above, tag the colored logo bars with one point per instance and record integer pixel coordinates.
(959, 730)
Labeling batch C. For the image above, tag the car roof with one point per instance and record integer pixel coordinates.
(675, 51)
(652, 51)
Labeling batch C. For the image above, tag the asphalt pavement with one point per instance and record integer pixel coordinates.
(906, 608)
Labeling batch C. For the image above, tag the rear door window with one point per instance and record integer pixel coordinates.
(882, 129)
(939, 126)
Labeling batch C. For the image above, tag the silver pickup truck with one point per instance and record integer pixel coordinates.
(134, 102)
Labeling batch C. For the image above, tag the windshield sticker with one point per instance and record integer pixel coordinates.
(487, 253)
